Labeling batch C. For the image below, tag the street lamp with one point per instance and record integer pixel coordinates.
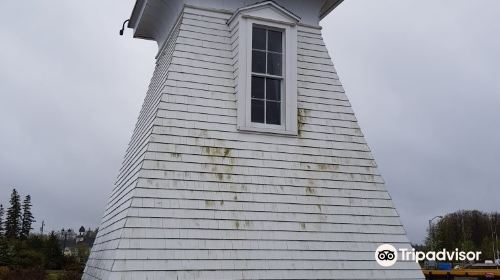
(431, 232)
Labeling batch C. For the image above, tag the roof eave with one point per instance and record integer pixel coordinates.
(136, 12)
(329, 6)
(136, 23)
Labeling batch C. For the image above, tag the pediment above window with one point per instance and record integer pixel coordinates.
(267, 10)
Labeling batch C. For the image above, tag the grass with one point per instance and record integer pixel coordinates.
(54, 274)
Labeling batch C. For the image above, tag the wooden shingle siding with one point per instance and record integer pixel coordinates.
(115, 216)
(215, 273)
(197, 199)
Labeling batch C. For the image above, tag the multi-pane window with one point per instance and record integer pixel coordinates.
(267, 75)
(266, 69)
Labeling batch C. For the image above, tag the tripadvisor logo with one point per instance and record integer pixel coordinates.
(387, 255)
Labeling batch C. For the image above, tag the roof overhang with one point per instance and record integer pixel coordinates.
(136, 11)
(329, 6)
(152, 19)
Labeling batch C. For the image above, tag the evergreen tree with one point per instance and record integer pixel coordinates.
(53, 253)
(13, 221)
(4, 253)
(1, 220)
(4, 256)
(27, 218)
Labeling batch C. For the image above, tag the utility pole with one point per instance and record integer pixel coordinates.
(41, 228)
(494, 239)
(431, 232)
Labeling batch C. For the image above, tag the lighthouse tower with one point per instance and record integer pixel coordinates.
(247, 161)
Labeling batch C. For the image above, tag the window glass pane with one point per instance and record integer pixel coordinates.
(257, 111)
(273, 89)
(257, 87)
(274, 64)
(259, 38)
(258, 62)
(273, 112)
(274, 41)
(267, 58)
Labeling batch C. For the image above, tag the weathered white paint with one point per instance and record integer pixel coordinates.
(198, 199)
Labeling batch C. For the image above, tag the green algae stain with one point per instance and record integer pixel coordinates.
(323, 166)
(242, 224)
(175, 155)
(310, 191)
(301, 116)
(217, 151)
(219, 176)
(214, 154)
(209, 203)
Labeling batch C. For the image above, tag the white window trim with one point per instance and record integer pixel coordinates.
(289, 92)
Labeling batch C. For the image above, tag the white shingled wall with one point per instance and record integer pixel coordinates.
(104, 251)
(196, 199)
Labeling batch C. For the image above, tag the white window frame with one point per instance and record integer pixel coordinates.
(289, 84)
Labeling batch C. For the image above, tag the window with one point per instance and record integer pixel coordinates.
(267, 75)
(265, 60)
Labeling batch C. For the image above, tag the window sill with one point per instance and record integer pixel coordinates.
(268, 131)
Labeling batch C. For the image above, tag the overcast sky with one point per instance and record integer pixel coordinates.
(423, 78)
